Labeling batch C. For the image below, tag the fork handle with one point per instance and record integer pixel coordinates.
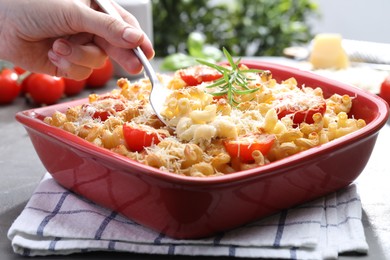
(110, 9)
(145, 62)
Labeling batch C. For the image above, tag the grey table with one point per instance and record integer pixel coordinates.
(21, 171)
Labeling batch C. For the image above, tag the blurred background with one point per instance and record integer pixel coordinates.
(265, 27)
(354, 19)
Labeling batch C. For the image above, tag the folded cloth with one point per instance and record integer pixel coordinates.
(57, 221)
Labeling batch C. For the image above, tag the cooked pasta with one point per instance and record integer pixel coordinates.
(212, 135)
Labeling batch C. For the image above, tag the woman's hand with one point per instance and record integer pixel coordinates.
(68, 38)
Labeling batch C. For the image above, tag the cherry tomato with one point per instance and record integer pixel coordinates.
(101, 76)
(74, 87)
(104, 106)
(385, 90)
(244, 146)
(302, 106)
(45, 89)
(137, 138)
(197, 74)
(25, 77)
(9, 86)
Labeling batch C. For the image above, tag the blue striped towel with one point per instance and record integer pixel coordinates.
(57, 221)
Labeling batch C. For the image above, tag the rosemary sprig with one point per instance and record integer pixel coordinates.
(233, 81)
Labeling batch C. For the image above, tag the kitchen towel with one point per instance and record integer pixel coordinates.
(57, 221)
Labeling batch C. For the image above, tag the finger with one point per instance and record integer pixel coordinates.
(123, 56)
(127, 60)
(146, 44)
(126, 16)
(119, 33)
(126, 57)
(84, 55)
(66, 69)
(147, 48)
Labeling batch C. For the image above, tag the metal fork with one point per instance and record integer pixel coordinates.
(158, 93)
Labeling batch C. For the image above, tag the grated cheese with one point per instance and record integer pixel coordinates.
(204, 124)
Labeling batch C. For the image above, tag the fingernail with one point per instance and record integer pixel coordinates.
(58, 60)
(132, 35)
(62, 48)
(53, 57)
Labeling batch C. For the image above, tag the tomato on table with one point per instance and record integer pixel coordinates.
(244, 146)
(139, 137)
(301, 106)
(74, 87)
(25, 78)
(45, 89)
(9, 86)
(385, 90)
(195, 75)
(101, 76)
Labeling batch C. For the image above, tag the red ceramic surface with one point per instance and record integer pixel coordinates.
(190, 207)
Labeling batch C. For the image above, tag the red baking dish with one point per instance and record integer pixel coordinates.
(193, 207)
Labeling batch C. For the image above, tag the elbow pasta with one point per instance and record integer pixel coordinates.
(206, 125)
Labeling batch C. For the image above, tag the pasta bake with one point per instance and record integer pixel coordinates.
(217, 124)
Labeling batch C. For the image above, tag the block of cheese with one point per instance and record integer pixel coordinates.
(328, 53)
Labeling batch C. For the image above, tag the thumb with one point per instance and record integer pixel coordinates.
(116, 32)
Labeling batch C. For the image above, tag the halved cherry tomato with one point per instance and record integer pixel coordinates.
(74, 87)
(301, 106)
(104, 114)
(104, 106)
(9, 86)
(101, 76)
(385, 90)
(138, 138)
(244, 146)
(45, 89)
(197, 74)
